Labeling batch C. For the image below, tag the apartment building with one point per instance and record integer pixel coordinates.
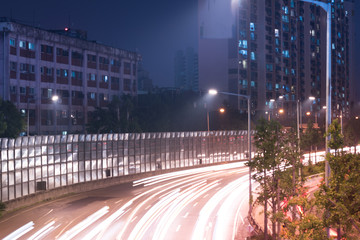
(38, 64)
(277, 55)
(186, 69)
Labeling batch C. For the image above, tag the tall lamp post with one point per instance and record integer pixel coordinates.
(55, 99)
(214, 92)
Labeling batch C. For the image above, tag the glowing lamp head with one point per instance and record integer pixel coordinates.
(55, 98)
(213, 92)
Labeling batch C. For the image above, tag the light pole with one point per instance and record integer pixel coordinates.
(55, 99)
(214, 92)
(327, 8)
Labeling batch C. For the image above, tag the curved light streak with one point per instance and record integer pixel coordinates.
(84, 224)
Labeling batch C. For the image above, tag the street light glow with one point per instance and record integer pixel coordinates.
(222, 110)
(213, 92)
(55, 98)
(311, 98)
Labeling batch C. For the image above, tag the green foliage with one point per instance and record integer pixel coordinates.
(162, 112)
(337, 139)
(352, 132)
(341, 197)
(309, 225)
(12, 123)
(313, 169)
(2, 207)
(311, 137)
(118, 117)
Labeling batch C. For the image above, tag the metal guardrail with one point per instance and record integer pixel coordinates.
(38, 163)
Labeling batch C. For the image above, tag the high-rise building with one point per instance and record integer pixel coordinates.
(186, 70)
(145, 83)
(278, 56)
(37, 64)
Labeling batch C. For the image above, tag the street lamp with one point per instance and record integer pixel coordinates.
(214, 92)
(55, 99)
(327, 8)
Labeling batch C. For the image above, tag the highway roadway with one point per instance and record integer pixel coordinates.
(202, 203)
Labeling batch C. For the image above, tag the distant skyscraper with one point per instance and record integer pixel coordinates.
(186, 70)
(145, 83)
(278, 53)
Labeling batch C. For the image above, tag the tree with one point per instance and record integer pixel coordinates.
(12, 123)
(308, 225)
(269, 144)
(341, 197)
(310, 138)
(352, 133)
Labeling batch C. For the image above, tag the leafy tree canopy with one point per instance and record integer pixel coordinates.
(12, 123)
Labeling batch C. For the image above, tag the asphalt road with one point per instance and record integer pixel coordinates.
(204, 203)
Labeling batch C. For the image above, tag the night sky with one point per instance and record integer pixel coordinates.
(155, 28)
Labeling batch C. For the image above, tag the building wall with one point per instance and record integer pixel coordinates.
(186, 69)
(84, 74)
(281, 55)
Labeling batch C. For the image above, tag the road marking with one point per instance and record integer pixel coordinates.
(195, 204)
(178, 228)
(186, 215)
(147, 207)
(118, 201)
(206, 195)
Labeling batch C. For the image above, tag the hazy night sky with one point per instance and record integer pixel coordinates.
(155, 28)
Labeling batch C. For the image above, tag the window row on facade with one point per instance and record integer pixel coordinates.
(65, 76)
(75, 58)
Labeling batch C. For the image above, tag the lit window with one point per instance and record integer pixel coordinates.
(73, 74)
(252, 27)
(22, 44)
(105, 78)
(286, 53)
(12, 42)
(276, 32)
(65, 73)
(253, 56)
(31, 46)
(243, 53)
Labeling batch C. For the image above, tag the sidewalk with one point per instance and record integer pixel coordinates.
(257, 215)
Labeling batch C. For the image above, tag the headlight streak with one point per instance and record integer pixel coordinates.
(177, 206)
(206, 211)
(84, 224)
(153, 213)
(168, 176)
(20, 231)
(171, 185)
(236, 226)
(101, 228)
(43, 231)
(225, 218)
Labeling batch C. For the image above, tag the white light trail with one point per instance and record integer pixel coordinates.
(20, 231)
(84, 224)
(43, 231)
